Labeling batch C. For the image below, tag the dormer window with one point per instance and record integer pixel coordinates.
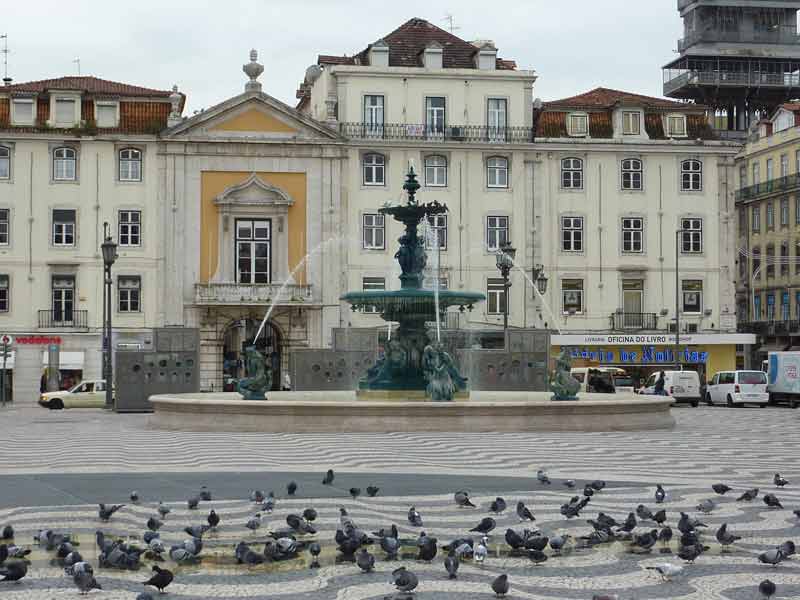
(23, 111)
(676, 125)
(578, 124)
(65, 112)
(631, 124)
(106, 114)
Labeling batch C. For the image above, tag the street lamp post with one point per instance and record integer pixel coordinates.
(109, 249)
(677, 298)
(505, 262)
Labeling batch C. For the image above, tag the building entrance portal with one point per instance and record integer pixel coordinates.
(239, 335)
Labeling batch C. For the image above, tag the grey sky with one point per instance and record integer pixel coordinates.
(574, 45)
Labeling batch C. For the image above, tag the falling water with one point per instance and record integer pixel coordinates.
(538, 293)
(431, 237)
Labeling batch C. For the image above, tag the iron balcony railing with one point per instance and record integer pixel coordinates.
(781, 184)
(770, 327)
(52, 319)
(244, 293)
(780, 35)
(450, 133)
(685, 78)
(634, 321)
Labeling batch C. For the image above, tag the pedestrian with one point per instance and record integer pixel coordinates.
(658, 389)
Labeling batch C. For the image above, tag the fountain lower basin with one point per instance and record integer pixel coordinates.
(343, 412)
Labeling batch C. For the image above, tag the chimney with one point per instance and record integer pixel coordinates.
(379, 54)
(486, 56)
(432, 55)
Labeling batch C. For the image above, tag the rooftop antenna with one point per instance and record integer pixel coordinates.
(77, 61)
(451, 22)
(4, 37)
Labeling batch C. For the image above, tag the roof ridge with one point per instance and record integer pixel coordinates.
(83, 81)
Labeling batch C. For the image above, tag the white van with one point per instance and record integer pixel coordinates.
(738, 387)
(683, 386)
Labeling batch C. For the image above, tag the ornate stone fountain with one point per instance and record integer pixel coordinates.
(413, 364)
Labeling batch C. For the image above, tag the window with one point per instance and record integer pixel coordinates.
(496, 232)
(692, 236)
(691, 176)
(253, 251)
(757, 306)
(497, 172)
(631, 123)
(373, 116)
(63, 227)
(572, 234)
(770, 170)
(784, 212)
(572, 296)
(129, 293)
(676, 125)
(692, 291)
(372, 284)
(435, 171)
(784, 165)
(374, 231)
(756, 215)
(105, 114)
(497, 118)
(374, 169)
(785, 308)
(770, 216)
(5, 163)
(632, 174)
(64, 164)
(63, 299)
(434, 115)
(742, 176)
(495, 296)
(4, 296)
(770, 306)
(572, 173)
(22, 111)
(578, 124)
(130, 228)
(756, 256)
(4, 227)
(438, 231)
(769, 259)
(130, 164)
(756, 173)
(65, 112)
(632, 234)
(784, 259)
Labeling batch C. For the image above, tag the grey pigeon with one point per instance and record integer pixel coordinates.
(85, 582)
(772, 501)
(163, 510)
(498, 505)
(197, 531)
(771, 557)
(414, 517)
(605, 597)
(558, 542)
(644, 513)
(524, 513)
(660, 516)
(451, 566)
(365, 561)
(7, 533)
(481, 551)
(154, 524)
(254, 522)
(181, 555)
(691, 553)
(569, 483)
(135, 497)
(329, 476)
(257, 496)
(542, 476)
(314, 549)
(462, 499)
(291, 488)
(149, 536)
(767, 589)
(14, 571)
(213, 519)
(205, 494)
(537, 556)
(514, 539)
(3, 553)
(667, 570)
(404, 580)
(748, 496)
(269, 505)
(646, 540)
(355, 492)
(500, 585)
(144, 596)
(720, 488)
(787, 548)
(310, 515)
(660, 494)
(726, 538)
(372, 491)
(106, 512)
(390, 546)
(485, 526)
(779, 481)
(706, 506)
(193, 502)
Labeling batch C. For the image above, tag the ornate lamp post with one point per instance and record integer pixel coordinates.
(109, 249)
(540, 278)
(505, 262)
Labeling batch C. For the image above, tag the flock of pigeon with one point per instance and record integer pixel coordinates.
(642, 531)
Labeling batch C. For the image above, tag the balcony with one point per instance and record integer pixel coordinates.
(218, 294)
(773, 186)
(63, 319)
(780, 35)
(675, 79)
(770, 327)
(633, 321)
(472, 134)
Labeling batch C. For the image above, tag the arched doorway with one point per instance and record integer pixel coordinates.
(238, 335)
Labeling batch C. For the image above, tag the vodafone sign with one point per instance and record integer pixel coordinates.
(38, 340)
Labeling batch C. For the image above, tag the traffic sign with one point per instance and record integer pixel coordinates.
(6, 340)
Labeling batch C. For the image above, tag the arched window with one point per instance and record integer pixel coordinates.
(572, 173)
(631, 174)
(64, 164)
(435, 171)
(130, 164)
(497, 172)
(691, 176)
(374, 169)
(5, 163)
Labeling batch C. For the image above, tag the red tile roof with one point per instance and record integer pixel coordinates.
(601, 98)
(89, 84)
(408, 41)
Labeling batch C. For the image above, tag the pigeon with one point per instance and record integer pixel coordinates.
(569, 483)
(706, 506)
(537, 556)
(537, 542)
(779, 481)
(355, 492)
(299, 524)
(485, 526)
(205, 494)
(85, 582)
(314, 549)
(328, 479)
(605, 597)
(161, 579)
(500, 585)
(644, 513)
(647, 540)
(372, 491)
(690, 553)
(257, 496)
(629, 524)
(427, 549)
(153, 524)
(135, 497)
(787, 548)
(144, 596)
(724, 537)
(404, 580)
(213, 519)
(588, 491)
(771, 557)
(524, 513)
(665, 535)
(498, 505)
(13, 571)
(598, 485)
(7, 533)
(269, 505)
(291, 488)
(660, 517)
(481, 551)
(767, 589)
(106, 512)
(660, 494)
(687, 523)
(462, 499)
(391, 546)
(254, 522)
(514, 539)
(559, 541)
(541, 475)
(3, 553)
(772, 501)
(163, 510)
(193, 502)
(720, 488)
(667, 570)
(451, 566)
(310, 515)
(414, 517)
(196, 531)
(748, 496)
(365, 561)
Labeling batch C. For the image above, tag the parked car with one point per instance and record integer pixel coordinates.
(682, 386)
(86, 394)
(738, 387)
(598, 380)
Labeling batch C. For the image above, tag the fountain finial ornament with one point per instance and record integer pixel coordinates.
(253, 70)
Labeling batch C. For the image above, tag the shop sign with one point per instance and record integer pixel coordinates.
(648, 355)
(642, 339)
(38, 340)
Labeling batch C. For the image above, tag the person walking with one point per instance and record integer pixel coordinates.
(658, 389)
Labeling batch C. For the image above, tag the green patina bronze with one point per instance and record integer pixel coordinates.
(258, 377)
(403, 366)
(563, 385)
